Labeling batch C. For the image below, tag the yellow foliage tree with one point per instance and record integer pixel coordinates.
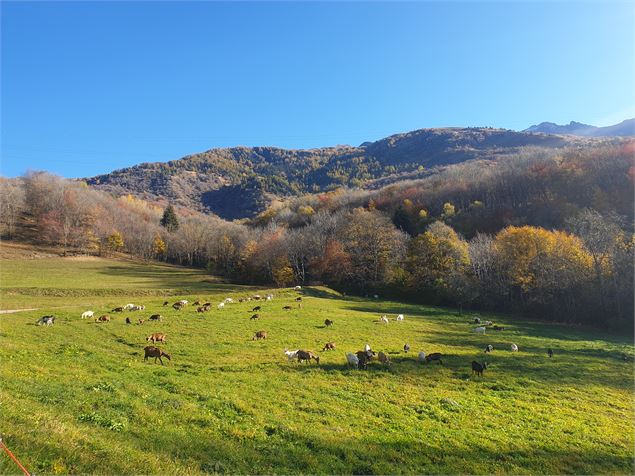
(158, 246)
(114, 242)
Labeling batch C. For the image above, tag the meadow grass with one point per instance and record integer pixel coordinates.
(78, 397)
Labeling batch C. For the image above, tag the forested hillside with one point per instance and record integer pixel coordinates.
(212, 181)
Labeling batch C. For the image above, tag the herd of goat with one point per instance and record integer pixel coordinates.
(359, 359)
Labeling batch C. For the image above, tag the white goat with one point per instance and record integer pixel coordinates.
(514, 348)
(183, 302)
(127, 307)
(479, 330)
(367, 348)
(87, 314)
(137, 308)
(422, 357)
(352, 359)
(221, 305)
(384, 319)
(298, 288)
(228, 300)
(291, 354)
(400, 317)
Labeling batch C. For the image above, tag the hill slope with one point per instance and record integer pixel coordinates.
(625, 129)
(241, 181)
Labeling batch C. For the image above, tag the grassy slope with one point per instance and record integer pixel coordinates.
(78, 397)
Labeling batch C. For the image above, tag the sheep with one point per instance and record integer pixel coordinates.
(352, 359)
(478, 368)
(156, 317)
(128, 307)
(287, 308)
(422, 357)
(384, 319)
(87, 314)
(152, 351)
(221, 305)
(156, 337)
(514, 348)
(306, 356)
(259, 335)
(328, 322)
(399, 317)
(297, 288)
(104, 318)
(383, 358)
(118, 309)
(434, 356)
(406, 348)
(128, 321)
(291, 354)
(479, 330)
(489, 348)
(46, 320)
(550, 352)
(257, 308)
(255, 316)
(165, 303)
(329, 346)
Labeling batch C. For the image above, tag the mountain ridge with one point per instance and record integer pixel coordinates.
(625, 128)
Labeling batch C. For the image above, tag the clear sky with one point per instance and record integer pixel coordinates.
(91, 87)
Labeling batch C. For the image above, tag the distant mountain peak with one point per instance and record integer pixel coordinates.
(624, 128)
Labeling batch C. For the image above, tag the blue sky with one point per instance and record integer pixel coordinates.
(91, 87)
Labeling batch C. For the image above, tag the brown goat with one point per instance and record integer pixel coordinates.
(155, 317)
(177, 306)
(306, 356)
(363, 357)
(260, 335)
(104, 318)
(383, 358)
(434, 356)
(152, 351)
(157, 337)
(329, 346)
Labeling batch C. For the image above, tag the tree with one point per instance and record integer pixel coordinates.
(169, 220)
(11, 205)
(114, 242)
(158, 246)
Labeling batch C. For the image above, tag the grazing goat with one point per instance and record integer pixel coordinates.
(128, 321)
(207, 304)
(406, 348)
(202, 309)
(117, 309)
(287, 308)
(298, 299)
(434, 356)
(269, 297)
(306, 356)
(550, 352)
(352, 359)
(422, 357)
(257, 308)
(489, 348)
(297, 288)
(328, 322)
(260, 335)
(367, 348)
(384, 319)
(87, 314)
(156, 317)
(152, 351)
(329, 346)
(400, 317)
(498, 328)
(138, 308)
(479, 330)
(383, 358)
(291, 354)
(104, 318)
(156, 337)
(477, 320)
(478, 368)
(165, 303)
(487, 323)
(514, 348)
(184, 302)
(221, 305)
(228, 300)
(363, 357)
(196, 303)
(128, 307)
(256, 297)
(46, 321)
(255, 316)
(178, 306)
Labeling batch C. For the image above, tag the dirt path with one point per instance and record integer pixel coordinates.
(11, 311)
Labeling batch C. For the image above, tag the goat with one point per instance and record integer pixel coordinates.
(256, 297)
(479, 330)
(128, 307)
(384, 319)
(487, 323)
(550, 352)
(165, 303)
(406, 348)
(489, 348)
(257, 308)
(298, 299)
(329, 346)
(363, 357)
(117, 309)
(184, 302)
(221, 305)
(228, 300)
(328, 322)
(87, 314)
(306, 356)
(255, 316)
(291, 354)
(207, 304)
(434, 356)
(196, 303)
(156, 317)
(478, 368)
(202, 309)
(514, 348)
(104, 318)
(399, 317)
(297, 288)
(138, 308)
(352, 359)
(498, 328)
(477, 320)
(128, 321)
(260, 335)
(140, 321)
(156, 337)
(46, 320)
(422, 357)
(152, 351)
(383, 358)
(178, 306)
(269, 297)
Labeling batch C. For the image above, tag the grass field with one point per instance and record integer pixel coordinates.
(77, 397)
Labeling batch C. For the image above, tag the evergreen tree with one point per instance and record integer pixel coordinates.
(169, 220)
